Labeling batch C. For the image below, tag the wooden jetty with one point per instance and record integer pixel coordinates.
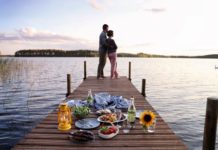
(46, 136)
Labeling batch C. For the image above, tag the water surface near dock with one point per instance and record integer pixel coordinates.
(176, 88)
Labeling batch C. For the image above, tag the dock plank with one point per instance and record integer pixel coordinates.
(46, 136)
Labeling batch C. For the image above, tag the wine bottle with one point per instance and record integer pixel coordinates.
(90, 97)
(131, 113)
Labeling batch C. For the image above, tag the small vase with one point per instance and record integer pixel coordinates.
(151, 128)
(145, 129)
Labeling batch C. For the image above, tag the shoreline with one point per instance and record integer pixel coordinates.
(170, 57)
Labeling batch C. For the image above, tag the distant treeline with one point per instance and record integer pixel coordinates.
(55, 53)
(72, 53)
(92, 53)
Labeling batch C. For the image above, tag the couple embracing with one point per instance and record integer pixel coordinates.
(107, 47)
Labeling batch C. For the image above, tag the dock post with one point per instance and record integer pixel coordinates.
(143, 87)
(84, 70)
(68, 85)
(210, 126)
(130, 71)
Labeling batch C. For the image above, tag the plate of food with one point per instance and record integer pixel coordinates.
(81, 136)
(108, 132)
(89, 123)
(111, 118)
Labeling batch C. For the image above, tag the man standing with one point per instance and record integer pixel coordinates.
(102, 52)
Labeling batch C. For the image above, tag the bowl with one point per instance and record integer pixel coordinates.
(108, 136)
(80, 112)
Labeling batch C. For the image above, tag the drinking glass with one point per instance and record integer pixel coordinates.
(126, 127)
(119, 115)
(152, 127)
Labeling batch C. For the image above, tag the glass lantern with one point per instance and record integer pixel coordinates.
(64, 117)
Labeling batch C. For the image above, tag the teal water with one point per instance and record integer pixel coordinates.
(176, 88)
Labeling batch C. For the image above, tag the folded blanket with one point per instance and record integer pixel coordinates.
(121, 103)
(102, 98)
(104, 101)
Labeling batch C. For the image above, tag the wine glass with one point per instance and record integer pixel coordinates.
(126, 128)
(119, 115)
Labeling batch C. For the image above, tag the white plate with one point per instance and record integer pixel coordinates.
(108, 136)
(124, 117)
(89, 123)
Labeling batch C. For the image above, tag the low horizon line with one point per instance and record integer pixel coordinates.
(167, 55)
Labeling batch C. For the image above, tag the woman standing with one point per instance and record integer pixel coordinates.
(112, 55)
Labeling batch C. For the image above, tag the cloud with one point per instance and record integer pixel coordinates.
(30, 38)
(31, 34)
(155, 10)
(7, 37)
(95, 4)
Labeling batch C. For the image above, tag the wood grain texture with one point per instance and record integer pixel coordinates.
(46, 136)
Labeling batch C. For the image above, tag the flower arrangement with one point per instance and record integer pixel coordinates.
(148, 120)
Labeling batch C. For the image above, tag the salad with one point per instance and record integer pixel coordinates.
(108, 130)
(80, 111)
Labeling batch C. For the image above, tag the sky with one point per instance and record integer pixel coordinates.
(168, 27)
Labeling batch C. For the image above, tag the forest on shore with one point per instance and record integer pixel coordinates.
(92, 53)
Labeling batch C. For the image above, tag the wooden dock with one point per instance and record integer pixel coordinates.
(46, 136)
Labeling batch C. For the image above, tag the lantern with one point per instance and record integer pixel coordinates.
(64, 117)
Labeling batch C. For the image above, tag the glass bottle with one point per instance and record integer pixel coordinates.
(131, 114)
(90, 97)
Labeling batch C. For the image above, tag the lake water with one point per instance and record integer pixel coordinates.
(176, 88)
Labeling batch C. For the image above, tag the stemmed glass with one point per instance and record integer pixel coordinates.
(119, 115)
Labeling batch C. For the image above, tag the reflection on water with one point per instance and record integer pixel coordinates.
(177, 88)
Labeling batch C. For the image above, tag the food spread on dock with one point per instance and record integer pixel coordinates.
(103, 104)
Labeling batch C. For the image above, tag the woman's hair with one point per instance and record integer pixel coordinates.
(110, 33)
